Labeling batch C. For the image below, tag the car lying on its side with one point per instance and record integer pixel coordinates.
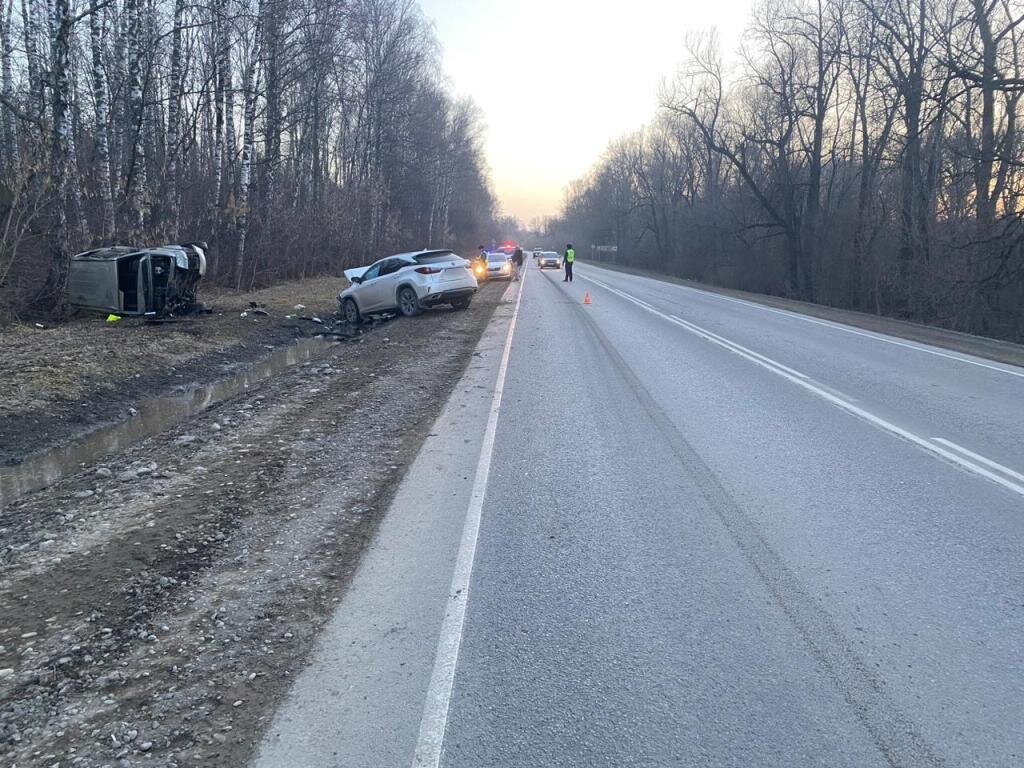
(549, 260)
(137, 281)
(407, 283)
(499, 266)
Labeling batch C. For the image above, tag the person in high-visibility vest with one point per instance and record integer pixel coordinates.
(567, 260)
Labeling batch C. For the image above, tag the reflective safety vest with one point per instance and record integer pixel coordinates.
(570, 255)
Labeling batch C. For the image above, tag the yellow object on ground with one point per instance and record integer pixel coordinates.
(111, 319)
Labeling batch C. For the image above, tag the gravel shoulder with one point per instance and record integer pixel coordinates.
(981, 346)
(157, 607)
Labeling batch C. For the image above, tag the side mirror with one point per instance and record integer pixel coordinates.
(357, 279)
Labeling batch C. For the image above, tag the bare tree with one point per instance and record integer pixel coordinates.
(864, 153)
(100, 132)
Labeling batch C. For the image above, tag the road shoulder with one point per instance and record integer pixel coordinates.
(362, 693)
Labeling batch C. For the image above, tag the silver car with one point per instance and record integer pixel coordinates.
(499, 266)
(408, 282)
(549, 260)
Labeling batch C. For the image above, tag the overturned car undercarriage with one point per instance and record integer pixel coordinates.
(121, 280)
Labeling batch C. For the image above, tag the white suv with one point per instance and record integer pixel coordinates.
(408, 282)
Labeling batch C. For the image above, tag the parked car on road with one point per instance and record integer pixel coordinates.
(408, 282)
(549, 260)
(499, 266)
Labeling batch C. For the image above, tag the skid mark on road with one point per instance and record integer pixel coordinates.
(979, 465)
(898, 739)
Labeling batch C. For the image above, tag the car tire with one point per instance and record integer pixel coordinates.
(460, 304)
(351, 311)
(408, 302)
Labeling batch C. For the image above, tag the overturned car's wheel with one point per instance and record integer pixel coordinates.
(351, 311)
(408, 301)
(460, 304)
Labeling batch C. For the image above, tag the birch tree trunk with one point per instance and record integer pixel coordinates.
(218, 131)
(11, 150)
(59, 146)
(29, 25)
(249, 89)
(174, 124)
(135, 182)
(230, 140)
(272, 130)
(101, 138)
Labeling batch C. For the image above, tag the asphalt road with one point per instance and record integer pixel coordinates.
(710, 533)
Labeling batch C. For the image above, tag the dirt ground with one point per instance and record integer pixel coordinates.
(156, 607)
(75, 376)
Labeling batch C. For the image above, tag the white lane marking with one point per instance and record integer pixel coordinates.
(733, 345)
(979, 458)
(976, 466)
(738, 348)
(847, 329)
(435, 709)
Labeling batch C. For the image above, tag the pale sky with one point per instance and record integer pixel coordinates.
(558, 79)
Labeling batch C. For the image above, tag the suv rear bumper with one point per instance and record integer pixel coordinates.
(445, 297)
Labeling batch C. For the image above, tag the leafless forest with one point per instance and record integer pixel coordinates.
(861, 153)
(293, 136)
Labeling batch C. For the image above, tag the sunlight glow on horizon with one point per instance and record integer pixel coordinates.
(557, 80)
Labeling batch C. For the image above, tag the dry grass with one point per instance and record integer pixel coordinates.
(85, 355)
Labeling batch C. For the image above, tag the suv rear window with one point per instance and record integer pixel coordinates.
(435, 258)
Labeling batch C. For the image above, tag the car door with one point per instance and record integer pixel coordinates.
(366, 296)
(387, 283)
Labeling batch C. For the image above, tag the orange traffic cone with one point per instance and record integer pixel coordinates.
(586, 298)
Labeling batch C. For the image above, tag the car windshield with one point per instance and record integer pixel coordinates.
(497, 258)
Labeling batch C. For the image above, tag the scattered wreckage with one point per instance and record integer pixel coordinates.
(139, 282)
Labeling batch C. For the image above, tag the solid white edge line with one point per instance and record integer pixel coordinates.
(802, 381)
(979, 458)
(430, 741)
(845, 329)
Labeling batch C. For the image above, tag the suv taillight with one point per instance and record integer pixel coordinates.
(428, 270)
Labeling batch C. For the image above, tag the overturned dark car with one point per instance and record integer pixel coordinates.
(138, 281)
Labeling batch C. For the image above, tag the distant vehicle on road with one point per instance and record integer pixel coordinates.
(548, 260)
(407, 283)
(499, 267)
